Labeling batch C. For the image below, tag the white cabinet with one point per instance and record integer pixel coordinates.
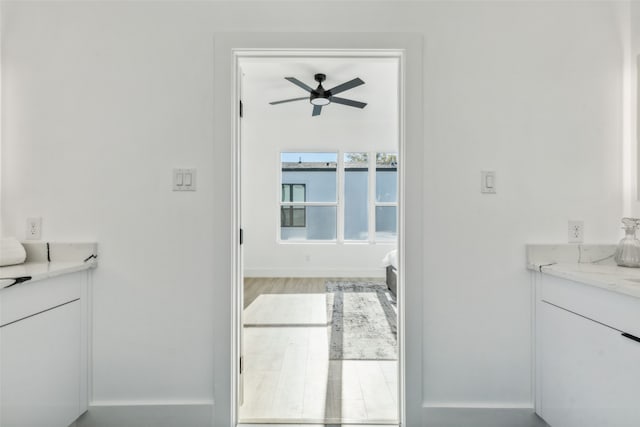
(43, 352)
(588, 373)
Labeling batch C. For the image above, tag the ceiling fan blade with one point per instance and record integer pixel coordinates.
(349, 102)
(299, 83)
(346, 86)
(289, 100)
(316, 110)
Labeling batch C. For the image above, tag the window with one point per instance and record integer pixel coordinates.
(353, 200)
(309, 203)
(356, 196)
(386, 205)
(293, 216)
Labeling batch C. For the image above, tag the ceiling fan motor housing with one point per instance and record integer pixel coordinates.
(320, 96)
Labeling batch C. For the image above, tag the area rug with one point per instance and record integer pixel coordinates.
(363, 321)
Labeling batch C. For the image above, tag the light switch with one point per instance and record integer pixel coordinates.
(184, 179)
(488, 182)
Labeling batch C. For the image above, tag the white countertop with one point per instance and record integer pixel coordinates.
(622, 280)
(50, 259)
(589, 264)
(41, 270)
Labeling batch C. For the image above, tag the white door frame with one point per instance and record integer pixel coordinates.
(229, 47)
(238, 56)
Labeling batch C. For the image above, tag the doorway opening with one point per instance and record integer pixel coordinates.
(318, 329)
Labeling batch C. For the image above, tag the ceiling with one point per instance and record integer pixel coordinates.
(264, 82)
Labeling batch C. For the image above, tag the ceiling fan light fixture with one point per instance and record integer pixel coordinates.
(320, 101)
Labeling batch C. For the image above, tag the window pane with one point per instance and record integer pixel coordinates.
(316, 170)
(286, 192)
(356, 201)
(386, 185)
(298, 193)
(320, 224)
(285, 216)
(386, 222)
(386, 177)
(292, 216)
(356, 160)
(299, 216)
(387, 159)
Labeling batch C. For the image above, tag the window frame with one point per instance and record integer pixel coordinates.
(339, 203)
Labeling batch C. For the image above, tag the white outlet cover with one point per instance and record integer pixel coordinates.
(575, 231)
(34, 228)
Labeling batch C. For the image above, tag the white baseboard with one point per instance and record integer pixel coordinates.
(481, 417)
(477, 405)
(139, 414)
(374, 272)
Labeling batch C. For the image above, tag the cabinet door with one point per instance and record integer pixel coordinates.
(40, 369)
(590, 373)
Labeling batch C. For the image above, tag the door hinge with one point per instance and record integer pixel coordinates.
(241, 364)
(241, 108)
(241, 236)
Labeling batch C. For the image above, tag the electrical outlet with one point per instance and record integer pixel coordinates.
(576, 231)
(34, 228)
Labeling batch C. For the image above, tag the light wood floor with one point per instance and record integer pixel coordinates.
(256, 286)
(288, 376)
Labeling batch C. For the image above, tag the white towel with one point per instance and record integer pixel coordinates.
(11, 252)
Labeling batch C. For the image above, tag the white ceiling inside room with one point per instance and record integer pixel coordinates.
(264, 82)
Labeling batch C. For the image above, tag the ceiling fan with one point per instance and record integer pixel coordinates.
(320, 96)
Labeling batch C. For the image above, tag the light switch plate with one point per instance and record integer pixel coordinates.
(184, 179)
(488, 182)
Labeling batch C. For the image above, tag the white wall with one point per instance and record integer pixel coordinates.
(268, 130)
(632, 119)
(101, 100)
(533, 92)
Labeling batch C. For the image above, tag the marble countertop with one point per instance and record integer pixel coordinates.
(589, 264)
(610, 277)
(41, 270)
(45, 260)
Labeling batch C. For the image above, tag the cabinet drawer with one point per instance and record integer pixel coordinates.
(616, 310)
(26, 299)
(40, 369)
(590, 376)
